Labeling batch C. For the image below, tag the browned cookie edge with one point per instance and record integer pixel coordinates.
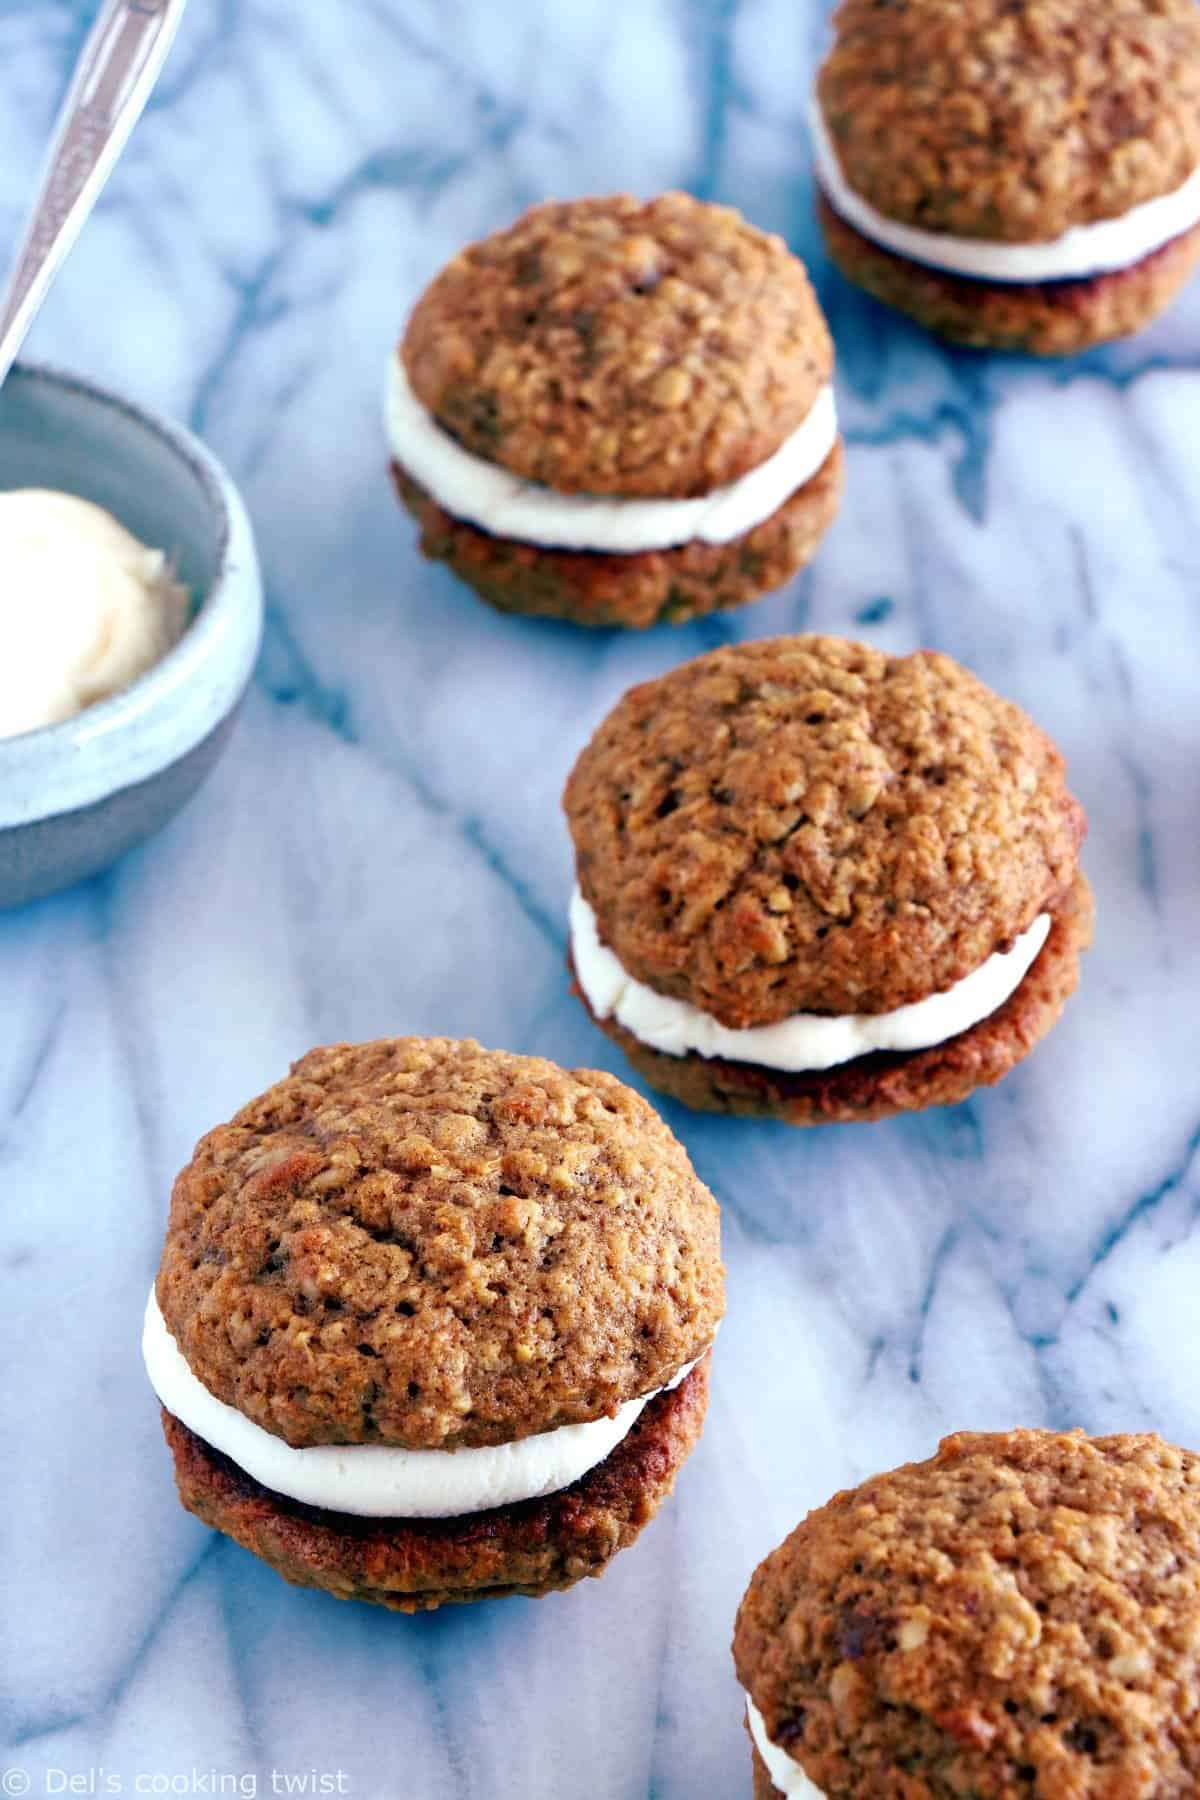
(415, 1565)
(886, 1082)
(651, 587)
(1051, 318)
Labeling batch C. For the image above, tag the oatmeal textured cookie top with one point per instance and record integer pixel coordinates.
(614, 346)
(807, 825)
(1019, 1616)
(424, 1243)
(1013, 119)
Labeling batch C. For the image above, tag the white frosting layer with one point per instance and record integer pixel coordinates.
(1084, 250)
(87, 608)
(806, 1041)
(377, 1481)
(503, 504)
(784, 1770)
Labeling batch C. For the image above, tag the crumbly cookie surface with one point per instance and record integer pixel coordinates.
(807, 825)
(653, 587)
(990, 119)
(424, 1243)
(1020, 1615)
(615, 346)
(415, 1565)
(885, 1083)
(1049, 318)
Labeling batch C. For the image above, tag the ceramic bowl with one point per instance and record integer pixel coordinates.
(74, 797)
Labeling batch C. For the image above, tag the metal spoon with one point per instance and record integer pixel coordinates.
(118, 68)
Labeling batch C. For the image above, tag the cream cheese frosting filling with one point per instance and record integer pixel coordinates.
(508, 506)
(87, 607)
(785, 1772)
(806, 1041)
(380, 1481)
(1099, 248)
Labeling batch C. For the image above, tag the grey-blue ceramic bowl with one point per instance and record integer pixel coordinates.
(74, 797)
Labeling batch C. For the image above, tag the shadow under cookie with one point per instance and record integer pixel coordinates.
(637, 590)
(1049, 318)
(886, 1082)
(414, 1565)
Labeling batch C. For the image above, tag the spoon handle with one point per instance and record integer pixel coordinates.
(119, 65)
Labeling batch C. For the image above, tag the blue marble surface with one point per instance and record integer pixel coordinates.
(382, 852)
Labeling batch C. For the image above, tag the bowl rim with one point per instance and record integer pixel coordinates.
(223, 636)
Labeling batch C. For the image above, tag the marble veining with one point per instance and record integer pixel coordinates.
(381, 852)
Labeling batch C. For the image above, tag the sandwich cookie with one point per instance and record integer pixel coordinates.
(819, 883)
(1017, 1616)
(432, 1322)
(1017, 177)
(618, 412)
